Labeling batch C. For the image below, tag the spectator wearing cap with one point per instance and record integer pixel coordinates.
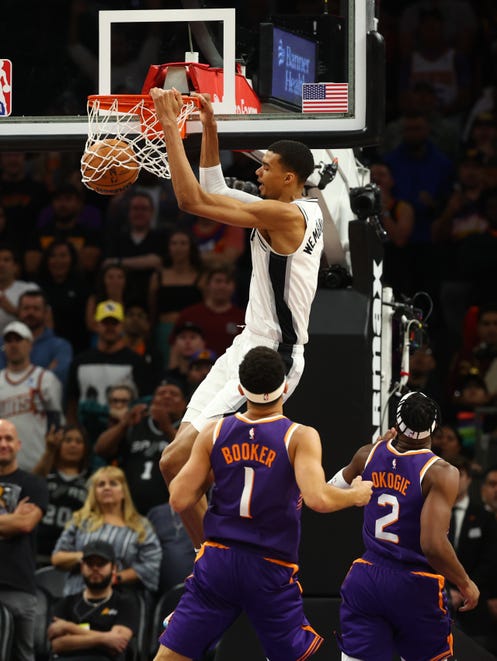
(137, 441)
(30, 396)
(137, 336)
(99, 622)
(65, 224)
(49, 351)
(218, 317)
(109, 514)
(188, 339)
(96, 370)
(10, 287)
(198, 368)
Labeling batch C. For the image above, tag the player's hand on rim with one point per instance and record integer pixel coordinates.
(168, 103)
(206, 110)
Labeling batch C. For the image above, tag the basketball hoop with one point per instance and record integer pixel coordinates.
(130, 120)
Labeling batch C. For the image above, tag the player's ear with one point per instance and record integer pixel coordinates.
(240, 390)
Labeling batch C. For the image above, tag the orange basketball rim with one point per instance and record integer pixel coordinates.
(142, 106)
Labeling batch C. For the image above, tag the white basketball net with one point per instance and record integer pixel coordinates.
(137, 128)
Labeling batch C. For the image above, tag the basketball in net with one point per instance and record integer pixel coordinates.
(108, 166)
(125, 135)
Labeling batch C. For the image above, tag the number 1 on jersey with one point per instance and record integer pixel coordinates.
(247, 493)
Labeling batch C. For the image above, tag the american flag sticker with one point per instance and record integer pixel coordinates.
(5, 87)
(325, 97)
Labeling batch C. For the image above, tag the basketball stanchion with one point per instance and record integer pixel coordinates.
(124, 136)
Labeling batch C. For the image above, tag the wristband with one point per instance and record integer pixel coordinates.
(339, 481)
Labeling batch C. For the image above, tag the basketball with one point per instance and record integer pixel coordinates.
(109, 166)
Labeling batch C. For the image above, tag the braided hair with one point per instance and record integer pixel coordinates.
(417, 415)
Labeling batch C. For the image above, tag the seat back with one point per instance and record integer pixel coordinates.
(43, 605)
(165, 605)
(7, 633)
(51, 580)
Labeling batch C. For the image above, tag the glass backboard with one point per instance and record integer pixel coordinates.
(316, 67)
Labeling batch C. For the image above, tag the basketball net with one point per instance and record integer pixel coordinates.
(132, 120)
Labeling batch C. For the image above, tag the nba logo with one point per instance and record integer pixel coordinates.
(5, 88)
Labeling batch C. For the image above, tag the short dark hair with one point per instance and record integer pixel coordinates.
(418, 412)
(34, 293)
(222, 268)
(6, 247)
(486, 473)
(142, 193)
(296, 156)
(261, 370)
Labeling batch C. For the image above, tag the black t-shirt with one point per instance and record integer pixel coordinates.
(140, 454)
(68, 304)
(17, 553)
(77, 234)
(93, 372)
(66, 494)
(120, 609)
(121, 245)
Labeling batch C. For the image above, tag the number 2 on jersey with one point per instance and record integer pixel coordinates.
(247, 493)
(387, 520)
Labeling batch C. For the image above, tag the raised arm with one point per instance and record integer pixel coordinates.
(210, 173)
(305, 450)
(263, 214)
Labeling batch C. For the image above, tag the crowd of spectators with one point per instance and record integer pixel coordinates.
(112, 310)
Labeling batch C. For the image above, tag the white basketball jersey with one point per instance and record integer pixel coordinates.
(282, 287)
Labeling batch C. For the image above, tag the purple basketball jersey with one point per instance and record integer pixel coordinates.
(255, 500)
(392, 525)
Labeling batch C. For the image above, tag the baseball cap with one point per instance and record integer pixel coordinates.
(186, 326)
(485, 118)
(203, 356)
(100, 549)
(18, 328)
(109, 310)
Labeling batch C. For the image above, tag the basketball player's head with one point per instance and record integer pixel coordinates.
(262, 376)
(417, 418)
(294, 156)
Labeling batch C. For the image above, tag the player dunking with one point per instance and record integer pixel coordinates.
(393, 596)
(264, 465)
(286, 246)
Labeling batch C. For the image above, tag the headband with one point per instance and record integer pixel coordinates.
(404, 429)
(264, 397)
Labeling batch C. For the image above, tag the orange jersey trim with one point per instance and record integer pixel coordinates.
(441, 585)
(449, 652)
(272, 418)
(212, 544)
(314, 646)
